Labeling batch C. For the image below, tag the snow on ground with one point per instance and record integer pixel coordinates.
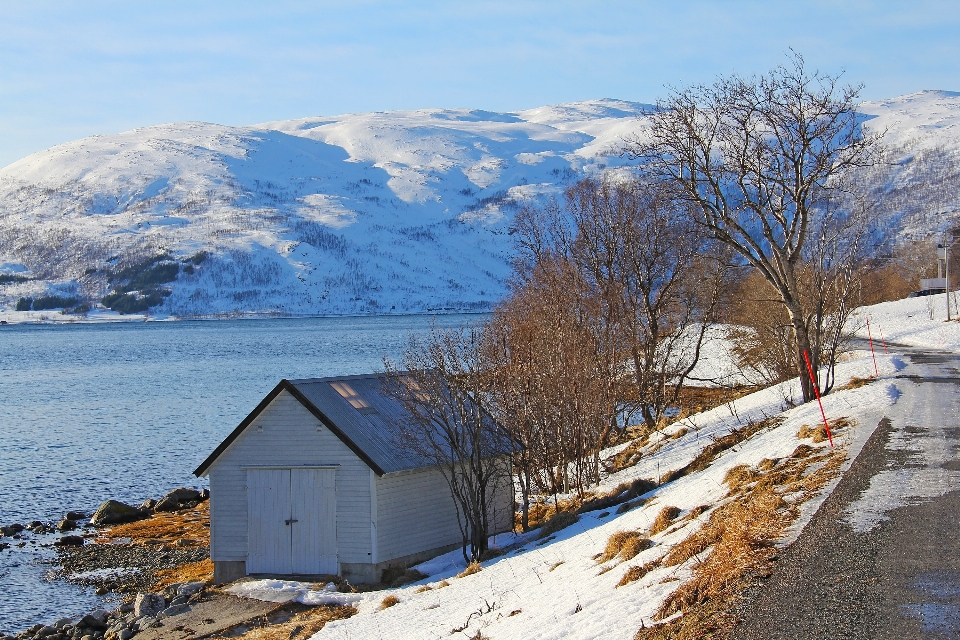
(555, 589)
(918, 322)
(368, 213)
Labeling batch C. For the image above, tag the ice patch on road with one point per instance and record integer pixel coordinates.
(922, 475)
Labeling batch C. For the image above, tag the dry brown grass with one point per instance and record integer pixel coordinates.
(819, 432)
(696, 512)
(423, 588)
(168, 527)
(388, 602)
(192, 572)
(742, 533)
(471, 569)
(664, 519)
(624, 544)
(856, 383)
(300, 625)
(718, 446)
(636, 572)
(767, 463)
(679, 433)
(740, 475)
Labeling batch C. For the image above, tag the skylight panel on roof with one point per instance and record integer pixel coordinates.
(349, 394)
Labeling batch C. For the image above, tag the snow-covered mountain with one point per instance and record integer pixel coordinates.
(392, 212)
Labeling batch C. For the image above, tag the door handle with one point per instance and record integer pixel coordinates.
(289, 522)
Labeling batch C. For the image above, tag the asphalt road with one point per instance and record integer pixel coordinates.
(881, 557)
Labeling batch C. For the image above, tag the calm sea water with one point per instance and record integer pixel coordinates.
(127, 411)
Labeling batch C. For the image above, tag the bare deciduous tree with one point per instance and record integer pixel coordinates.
(755, 159)
(441, 387)
(658, 275)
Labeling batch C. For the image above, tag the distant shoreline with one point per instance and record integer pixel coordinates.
(11, 318)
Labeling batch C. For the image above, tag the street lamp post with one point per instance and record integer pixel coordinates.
(944, 254)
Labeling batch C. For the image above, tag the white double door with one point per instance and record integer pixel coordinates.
(291, 521)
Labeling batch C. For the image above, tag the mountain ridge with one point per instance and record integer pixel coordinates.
(382, 212)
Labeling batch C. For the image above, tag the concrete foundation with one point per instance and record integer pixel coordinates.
(228, 571)
(355, 572)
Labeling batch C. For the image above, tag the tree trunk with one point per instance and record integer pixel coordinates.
(802, 339)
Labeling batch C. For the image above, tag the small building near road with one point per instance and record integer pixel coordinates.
(312, 483)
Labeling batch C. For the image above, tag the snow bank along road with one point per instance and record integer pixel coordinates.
(881, 557)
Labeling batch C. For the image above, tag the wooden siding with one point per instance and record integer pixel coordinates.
(287, 434)
(415, 513)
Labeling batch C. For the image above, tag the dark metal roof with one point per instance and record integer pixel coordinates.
(369, 431)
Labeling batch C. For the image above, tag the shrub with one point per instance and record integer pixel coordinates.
(388, 602)
(198, 257)
(664, 519)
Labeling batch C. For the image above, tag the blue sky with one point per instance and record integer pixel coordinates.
(72, 69)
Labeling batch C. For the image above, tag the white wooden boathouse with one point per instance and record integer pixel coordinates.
(312, 483)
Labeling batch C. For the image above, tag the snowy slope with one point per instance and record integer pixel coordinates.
(364, 213)
(393, 212)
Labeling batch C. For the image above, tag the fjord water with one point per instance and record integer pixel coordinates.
(128, 410)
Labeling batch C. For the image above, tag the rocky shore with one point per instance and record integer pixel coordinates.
(137, 552)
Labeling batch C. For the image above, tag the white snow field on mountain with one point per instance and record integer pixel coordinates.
(558, 588)
(396, 212)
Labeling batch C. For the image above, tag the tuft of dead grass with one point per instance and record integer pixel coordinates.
(637, 572)
(856, 383)
(300, 625)
(819, 432)
(388, 602)
(696, 512)
(664, 519)
(471, 569)
(623, 492)
(767, 463)
(423, 588)
(625, 545)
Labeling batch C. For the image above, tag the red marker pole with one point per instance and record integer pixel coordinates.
(880, 329)
(816, 390)
(870, 336)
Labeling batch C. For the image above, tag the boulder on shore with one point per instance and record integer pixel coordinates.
(148, 604)
(69, 541)
(115, 512)
(177, 499)
(66, 525)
